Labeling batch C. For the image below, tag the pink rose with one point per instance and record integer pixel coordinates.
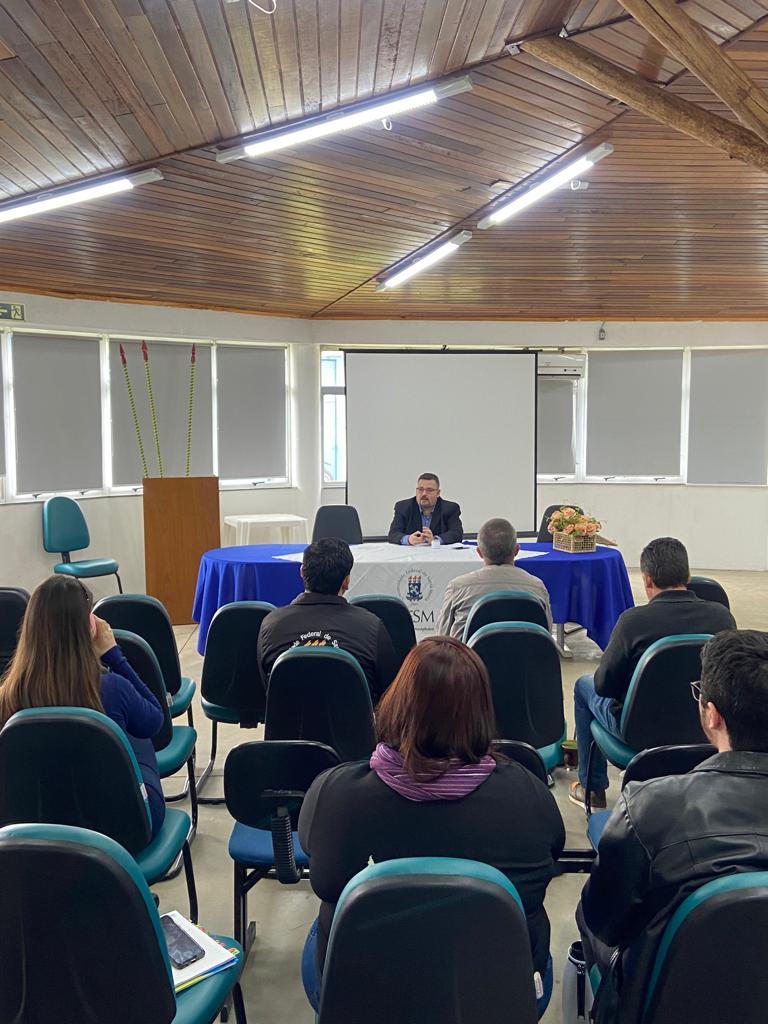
(551, 526)
(568, 511)
(580, 529)
(569, 528)
(592, 528)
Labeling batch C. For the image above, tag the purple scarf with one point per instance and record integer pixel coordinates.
(458, 780)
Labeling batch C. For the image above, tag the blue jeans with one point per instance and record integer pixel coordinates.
(312, 979)
(586, 707)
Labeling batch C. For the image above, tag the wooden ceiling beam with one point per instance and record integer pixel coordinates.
(688, 43)
(738, 142)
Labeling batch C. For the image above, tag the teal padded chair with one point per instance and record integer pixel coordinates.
(321, 694)
(429, 939)
(505, 606)
(709, 590)
(523, 663)
(396, 618)
(264, 785)
(174, 744)
(698, 975)
(64, 531)
(75, 766)
(13, 605)
(659, 710)
(231, 689)
(147, 617)
(81, 940)
(655, 763)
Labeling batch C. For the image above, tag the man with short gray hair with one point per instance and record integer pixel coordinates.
(497, 546)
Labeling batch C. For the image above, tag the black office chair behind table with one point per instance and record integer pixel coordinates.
(13, 604)
(709, 590)
(396, 618)
(544, 536)
(338, 521)
(321, 694)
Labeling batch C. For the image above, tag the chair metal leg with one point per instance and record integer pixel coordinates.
(207, 771)
(239, 1004)
(588, 787)
(189, 873)
(187, 782)
(241, 904)
(119, 584)
(190, 717)
(192, 791)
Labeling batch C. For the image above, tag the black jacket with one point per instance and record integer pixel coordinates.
(664, 839)
(338, 624)
(446, 521)
(511, 821)
(669, 613)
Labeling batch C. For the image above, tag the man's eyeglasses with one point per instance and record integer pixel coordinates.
(696, 690)
(426, 490)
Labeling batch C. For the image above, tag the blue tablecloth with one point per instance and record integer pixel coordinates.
(592, 590)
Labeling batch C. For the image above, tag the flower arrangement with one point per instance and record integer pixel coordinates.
(573, 530)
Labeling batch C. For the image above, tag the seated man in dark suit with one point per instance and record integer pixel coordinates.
(667, 837)
(322, 617)
(427, 517)
(671, 609)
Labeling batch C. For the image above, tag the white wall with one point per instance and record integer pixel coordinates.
(722, 526)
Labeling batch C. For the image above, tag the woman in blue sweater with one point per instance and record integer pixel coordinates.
(66, 657)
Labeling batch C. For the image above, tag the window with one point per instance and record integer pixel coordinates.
(334, 417)
(556, 419)
(251, 413)
(728, 424)
(170, 368)
(634, 413)
(57, 398)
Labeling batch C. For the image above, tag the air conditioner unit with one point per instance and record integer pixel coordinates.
(561, 364)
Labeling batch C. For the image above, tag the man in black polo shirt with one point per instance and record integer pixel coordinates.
(322, 617)
(671, 609)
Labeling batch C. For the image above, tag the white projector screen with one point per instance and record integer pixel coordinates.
(469, 417)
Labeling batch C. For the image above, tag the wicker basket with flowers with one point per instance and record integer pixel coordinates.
(573, 531)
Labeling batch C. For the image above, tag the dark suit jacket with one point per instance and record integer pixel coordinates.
(446, 521)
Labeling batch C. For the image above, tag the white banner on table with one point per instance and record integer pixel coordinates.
(417, 575)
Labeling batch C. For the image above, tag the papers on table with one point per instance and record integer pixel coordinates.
(376, 553)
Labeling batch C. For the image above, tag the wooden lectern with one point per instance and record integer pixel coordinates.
(181, 521)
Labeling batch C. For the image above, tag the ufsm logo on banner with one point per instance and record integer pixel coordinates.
(415, 587)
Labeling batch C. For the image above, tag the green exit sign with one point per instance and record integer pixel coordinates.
(11, 311)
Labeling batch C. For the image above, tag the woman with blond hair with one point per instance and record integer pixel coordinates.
(66, 657)
(432, 789)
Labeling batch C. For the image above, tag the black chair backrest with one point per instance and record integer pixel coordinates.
(231, 675)
(428, 949)
(526, 684)
(321, 694)
(703, 976)
(515, 606)
(264, 775)
(142, 660)
(396, 618)
(68, 767)
(338, 521)
(709, 590)
(77, 943)
(13, 604)
(544, 535)
(660, 710)
(146, 616)
(658, 762)
(524, 754)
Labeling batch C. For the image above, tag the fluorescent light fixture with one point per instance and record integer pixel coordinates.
(77, 195)
(350, 117)
(562, 177)
(415, 266)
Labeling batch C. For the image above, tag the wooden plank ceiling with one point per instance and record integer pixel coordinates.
(668, 228)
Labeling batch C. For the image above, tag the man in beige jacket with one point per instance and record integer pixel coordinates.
(497, 546)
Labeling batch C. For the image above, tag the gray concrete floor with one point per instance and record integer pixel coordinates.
(283, 914)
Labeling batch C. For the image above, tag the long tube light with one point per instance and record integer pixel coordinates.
(526, 199)
(351, 117)
(420, 263)
(78, 195)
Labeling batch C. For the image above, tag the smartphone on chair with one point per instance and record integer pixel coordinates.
(182, 948)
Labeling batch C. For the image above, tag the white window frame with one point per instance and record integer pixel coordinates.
(329, 389)
(8, 494)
